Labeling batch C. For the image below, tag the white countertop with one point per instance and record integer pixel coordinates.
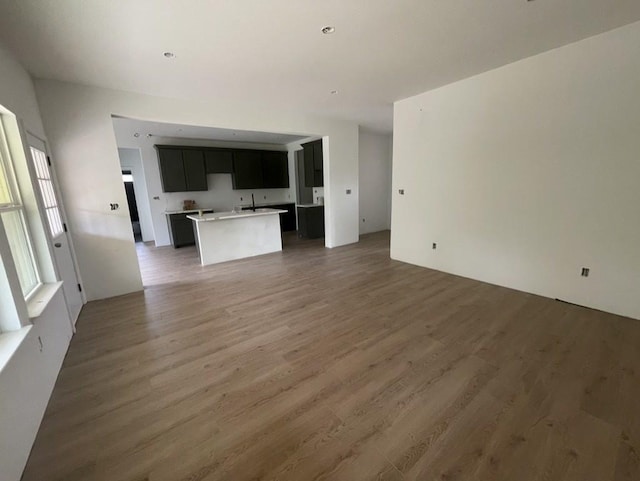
(169, 212)
(304, 206)
(234, 215)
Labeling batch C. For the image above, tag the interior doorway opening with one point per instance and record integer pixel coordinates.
(127, 178)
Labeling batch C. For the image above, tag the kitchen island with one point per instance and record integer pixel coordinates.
(226, 236)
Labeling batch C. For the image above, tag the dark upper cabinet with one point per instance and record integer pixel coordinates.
(218, 161)
(313, 164)
(308, 165)
(318, 164)
(247, 169)
(275, 170)
(172, 170)
(317, 155)
(194, 171)
(182, 170)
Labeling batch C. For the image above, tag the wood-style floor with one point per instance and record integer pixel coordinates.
(319, 364)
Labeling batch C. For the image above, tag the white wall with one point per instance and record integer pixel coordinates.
(130, 160)
(27, 380)
(220, 196)
(527, 173)
(375, 181)
(81, 136)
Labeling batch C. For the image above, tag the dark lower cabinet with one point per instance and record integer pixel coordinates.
(288, 219)
(181, 230)
(311, 222)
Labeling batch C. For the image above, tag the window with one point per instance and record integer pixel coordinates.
(43, 175)
(12, 215)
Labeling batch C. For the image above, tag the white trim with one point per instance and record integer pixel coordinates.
(38, 301)
(9, 344)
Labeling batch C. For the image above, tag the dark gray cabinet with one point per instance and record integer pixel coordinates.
(172, 170)
(181, 230)
(313, 164)
(218, 161)
(194, 171)
(311, 222)
(275, 170)
(247, 169)
(182, 170)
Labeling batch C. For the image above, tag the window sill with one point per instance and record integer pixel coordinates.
(9, 344)
(38, 302)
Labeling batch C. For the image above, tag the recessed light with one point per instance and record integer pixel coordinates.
(149, 135)
(328, 29)
(169, 55)
(136, 135)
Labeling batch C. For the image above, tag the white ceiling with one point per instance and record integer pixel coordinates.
(125, 130)
(272, 54)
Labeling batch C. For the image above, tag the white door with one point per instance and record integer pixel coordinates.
(57, 227)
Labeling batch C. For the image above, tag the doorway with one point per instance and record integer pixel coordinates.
(127, 178)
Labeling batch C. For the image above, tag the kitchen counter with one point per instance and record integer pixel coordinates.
(233, 215)
(226, 236)
(171, 212)
(305, 206)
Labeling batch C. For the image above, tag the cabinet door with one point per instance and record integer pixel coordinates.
(194, 172)
(315, 222)
(247, 169)
(275, 170)
(172, 170)
(317, 155)
(288, 220)
(182, 230)
(318, 168)
(308, 165)
(219, 161)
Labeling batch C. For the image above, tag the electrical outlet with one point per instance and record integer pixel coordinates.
(585, 272)
(348, 191)
(401, 191)
(363, 219)
(434, 245)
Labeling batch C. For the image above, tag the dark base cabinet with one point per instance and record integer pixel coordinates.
(311, 222)
(181, 229)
